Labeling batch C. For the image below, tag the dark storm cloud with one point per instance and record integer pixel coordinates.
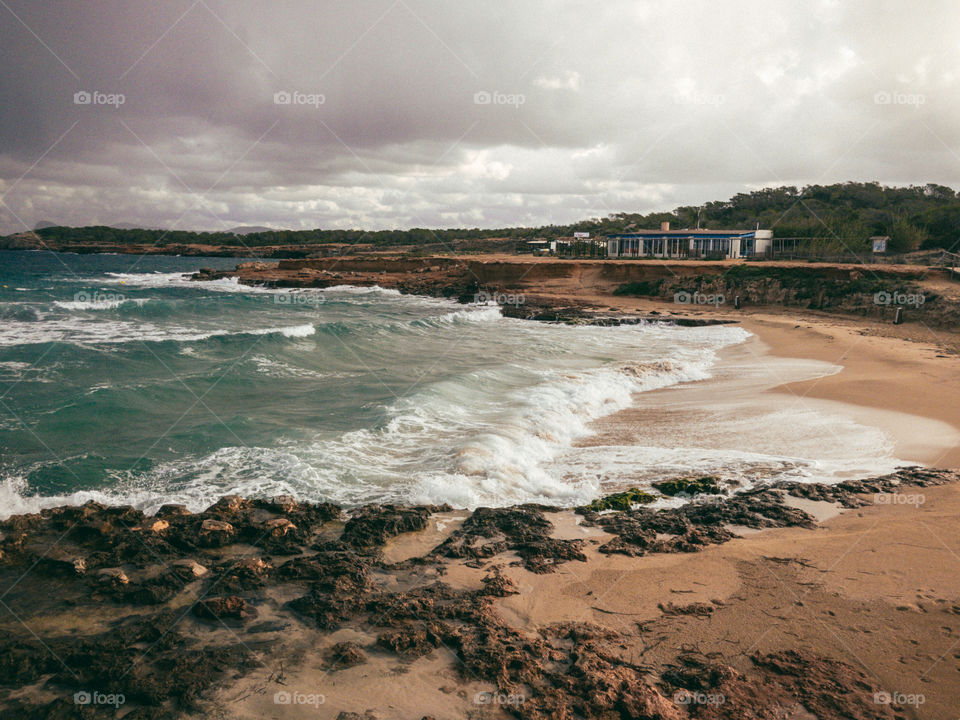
(448, 114)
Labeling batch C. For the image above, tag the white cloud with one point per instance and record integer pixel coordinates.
(627, 106)
(569, 80)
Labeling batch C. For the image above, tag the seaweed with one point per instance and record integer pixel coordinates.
(704, 485)
(619, 501)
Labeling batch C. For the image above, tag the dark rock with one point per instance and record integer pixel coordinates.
(826, 688)
(412, 640)
(247, 574)
(167, 512)
(216, 533)
(339, 584)
(114, 577)
(690, 486)
(523, 529)
(232, 607)
(344, 655)
(696, 525)
(373, 525)
(699, 608)
(567, 670)
(499, 585)
(60, 563)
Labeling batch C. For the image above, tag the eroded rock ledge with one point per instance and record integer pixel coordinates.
(162, 609)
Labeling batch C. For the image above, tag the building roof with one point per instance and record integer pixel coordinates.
(686, 233)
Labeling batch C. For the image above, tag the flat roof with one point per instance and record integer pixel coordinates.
(685, 234)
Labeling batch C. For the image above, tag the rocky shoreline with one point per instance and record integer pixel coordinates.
(160, 611)
(447, 279)
(687, 292)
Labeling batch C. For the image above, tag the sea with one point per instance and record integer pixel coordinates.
(123, 381)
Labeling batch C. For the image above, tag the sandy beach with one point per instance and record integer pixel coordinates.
(908, 390)
(888, 373)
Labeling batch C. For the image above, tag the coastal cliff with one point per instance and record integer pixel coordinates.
(585, 289)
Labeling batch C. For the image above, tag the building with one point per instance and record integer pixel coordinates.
(667, 243)
(538, 247)
(581, 245)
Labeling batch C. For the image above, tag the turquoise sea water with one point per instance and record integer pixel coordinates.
(123, 381)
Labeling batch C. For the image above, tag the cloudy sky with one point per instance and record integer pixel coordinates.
(209, 114)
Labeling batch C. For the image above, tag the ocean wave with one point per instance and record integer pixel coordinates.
(274, 368)
(88, 304)
(16, 498)
(120, 332)
(454, 441)
(197, 483)
(614, 467)
(13, 369)
(183, 280)
(486, 403)
(293, 331)
(154, 279)
(507, 460)
(22, 312)
(233, 285)
(358, 290)
(477, 314)
(99, 304)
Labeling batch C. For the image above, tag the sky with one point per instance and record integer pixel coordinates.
(379, 114)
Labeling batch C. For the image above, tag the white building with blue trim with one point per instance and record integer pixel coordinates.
(667, 243)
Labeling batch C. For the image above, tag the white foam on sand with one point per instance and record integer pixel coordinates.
(733, 427)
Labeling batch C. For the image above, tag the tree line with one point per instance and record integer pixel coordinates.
(843, 215)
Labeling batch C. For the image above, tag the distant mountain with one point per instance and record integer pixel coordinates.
(45, 224)
(249, 229)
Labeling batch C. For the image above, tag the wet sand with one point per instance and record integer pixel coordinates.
(907, 392)
(887, 373)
